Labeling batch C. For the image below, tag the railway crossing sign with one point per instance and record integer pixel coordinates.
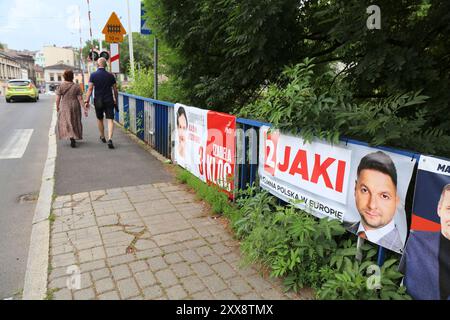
(114, 30)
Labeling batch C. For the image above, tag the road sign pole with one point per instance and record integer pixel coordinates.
(155, 54)
(130, 41)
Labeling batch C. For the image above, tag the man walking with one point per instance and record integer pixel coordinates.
(105, 103)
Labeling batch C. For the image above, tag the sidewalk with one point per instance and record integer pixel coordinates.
(147, 240)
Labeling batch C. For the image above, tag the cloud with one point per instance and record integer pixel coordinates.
(74, 19)
(28, 14)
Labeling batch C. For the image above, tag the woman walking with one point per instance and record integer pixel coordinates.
(69, 102)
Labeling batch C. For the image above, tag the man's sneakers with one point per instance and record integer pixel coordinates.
(110, 144)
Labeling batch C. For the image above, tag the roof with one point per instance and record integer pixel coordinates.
(38, 68)
(7, 55)
(61, 66)
(23, 55)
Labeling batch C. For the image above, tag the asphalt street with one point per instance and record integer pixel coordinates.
(24, 130)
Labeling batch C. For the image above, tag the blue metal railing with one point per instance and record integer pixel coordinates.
(140, 127)
(248, 144)
(161, 120)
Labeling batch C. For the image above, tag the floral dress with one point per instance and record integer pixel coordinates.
(69, 116)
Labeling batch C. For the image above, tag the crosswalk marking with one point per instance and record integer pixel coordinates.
(15, 146)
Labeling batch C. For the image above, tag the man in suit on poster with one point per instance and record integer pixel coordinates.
(376, 200)
(426, 261)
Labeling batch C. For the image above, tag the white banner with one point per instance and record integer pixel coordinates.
(324, 180)
(191, 133)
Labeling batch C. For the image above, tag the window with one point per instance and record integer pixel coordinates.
(19, 83)
(59, 78)
(52, 77)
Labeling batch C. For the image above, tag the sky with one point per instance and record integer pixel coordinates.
(32, 24)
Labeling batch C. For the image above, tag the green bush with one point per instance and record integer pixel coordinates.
(315, 104)
(350, 279)
(143, 85)
(292, 243)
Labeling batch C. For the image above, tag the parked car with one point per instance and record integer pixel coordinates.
(20, 89)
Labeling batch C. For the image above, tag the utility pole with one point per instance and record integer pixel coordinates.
(90, 31)
(81, 50)
(130, 41)
(155, 62)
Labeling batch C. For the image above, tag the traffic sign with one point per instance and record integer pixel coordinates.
(114, 30)
(104, 54)
(145, 29)
(93, 55)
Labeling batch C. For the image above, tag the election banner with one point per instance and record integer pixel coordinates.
(205, 145)
(363, 187)
(426, 261)
(221, 150)
(190, 139)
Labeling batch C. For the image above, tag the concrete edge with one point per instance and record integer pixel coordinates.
(35, 286)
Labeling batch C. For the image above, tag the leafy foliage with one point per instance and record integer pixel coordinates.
(291, 242)
(319, 106)
(142, 83)
(229, 50)
(350, 279)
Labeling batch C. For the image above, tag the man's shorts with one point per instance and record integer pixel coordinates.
(104, 108)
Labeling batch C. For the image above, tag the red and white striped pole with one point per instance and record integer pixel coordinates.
(90, 29)
(115, 56)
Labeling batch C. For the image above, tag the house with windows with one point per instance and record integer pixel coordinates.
(53, 75)
(10, 68)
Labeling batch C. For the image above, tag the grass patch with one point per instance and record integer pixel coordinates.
(52, 218)
(49, 268)
(211, 194)
(50, 295)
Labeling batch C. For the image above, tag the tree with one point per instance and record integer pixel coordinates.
(142, 49)
(230, 50)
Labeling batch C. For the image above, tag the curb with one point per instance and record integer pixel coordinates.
(35, 286)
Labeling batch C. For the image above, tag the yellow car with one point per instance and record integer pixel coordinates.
(19, 89)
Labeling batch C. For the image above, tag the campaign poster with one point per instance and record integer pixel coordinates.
(205, 145)
(221, 151)
(426, 261)
(365, 188)
(191, 134)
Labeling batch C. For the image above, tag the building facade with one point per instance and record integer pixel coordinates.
(40, 58)
(53, 55)
(10, 68)
(26, 59)
(40, 77)
(53, 75)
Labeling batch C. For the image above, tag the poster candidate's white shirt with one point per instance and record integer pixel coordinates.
(376, 235)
